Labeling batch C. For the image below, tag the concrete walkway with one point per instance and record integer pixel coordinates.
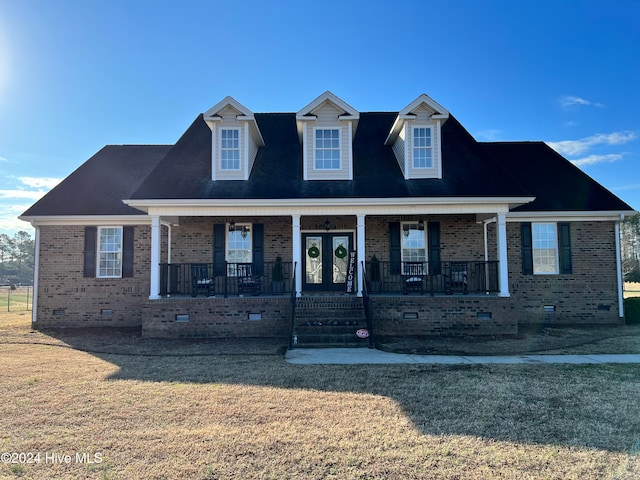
(366, 356)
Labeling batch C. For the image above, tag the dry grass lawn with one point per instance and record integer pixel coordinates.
(216, 414)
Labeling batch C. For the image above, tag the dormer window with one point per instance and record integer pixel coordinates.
(422, 148)
(229, 149)
(327, 153)
(235, 140)
(326, 128)
(416, 140)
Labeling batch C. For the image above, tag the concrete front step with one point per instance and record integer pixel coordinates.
(326, 340)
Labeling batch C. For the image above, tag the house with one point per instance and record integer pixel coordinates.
(290, 224)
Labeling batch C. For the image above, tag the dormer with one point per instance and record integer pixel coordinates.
(416, 140)
(235, 139)
(326, 128)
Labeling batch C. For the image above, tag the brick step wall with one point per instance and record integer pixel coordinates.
(329, 321)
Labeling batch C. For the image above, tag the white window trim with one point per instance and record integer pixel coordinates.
(99, 251)
(426, 246)
(432, 148)
(220, 149)
(315, 129)
(533, 248)
(239, 226)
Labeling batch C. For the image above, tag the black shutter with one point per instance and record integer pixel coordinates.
(395, 254)
(127, 252)
(258, 249)
(433, 234)
(564, 244)
(90, 245)
(219, 264)
(526, 242)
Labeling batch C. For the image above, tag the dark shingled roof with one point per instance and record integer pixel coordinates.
(557, 184)
(100, 184)
(277, 172)
(183, 171)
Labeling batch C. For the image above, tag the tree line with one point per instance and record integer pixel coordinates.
(16, 258)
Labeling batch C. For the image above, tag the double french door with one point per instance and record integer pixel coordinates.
(325, 260)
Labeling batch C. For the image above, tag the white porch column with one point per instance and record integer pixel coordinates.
(154, 281)
(297, 252)
(503, 261)
(360, 253)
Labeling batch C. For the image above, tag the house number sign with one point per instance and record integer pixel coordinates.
(351, 272)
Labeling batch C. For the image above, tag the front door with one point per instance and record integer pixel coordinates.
(325, 260)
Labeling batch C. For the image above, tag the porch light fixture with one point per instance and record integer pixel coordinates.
(245, 231)
(232, 226)
(406, 230)
(421, 225)
(327, 225)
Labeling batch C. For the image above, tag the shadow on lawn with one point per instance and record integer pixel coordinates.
(582, 406)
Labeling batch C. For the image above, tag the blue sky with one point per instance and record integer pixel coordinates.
(77, 75)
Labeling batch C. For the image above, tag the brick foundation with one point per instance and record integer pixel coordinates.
(443, 315)
(217, 317)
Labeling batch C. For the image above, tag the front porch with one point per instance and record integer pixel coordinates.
(277, 278)
(242, 276)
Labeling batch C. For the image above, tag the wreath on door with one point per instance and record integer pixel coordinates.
(313, 252)
(341, 252)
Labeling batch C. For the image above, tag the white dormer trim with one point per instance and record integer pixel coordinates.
(237, 117)
(328, 97)
(327, 112)
(421, 112)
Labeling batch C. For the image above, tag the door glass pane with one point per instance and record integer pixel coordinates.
(340, 258)
(313, 270)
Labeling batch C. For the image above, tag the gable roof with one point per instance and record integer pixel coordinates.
(557, 184)
(185, 173)
(100, 184)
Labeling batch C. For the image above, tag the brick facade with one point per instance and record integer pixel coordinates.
(67, 299)
(587, 296)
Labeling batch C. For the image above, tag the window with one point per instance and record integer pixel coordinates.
(238, 246)
(110, 252)
(327, 149)
(230, 149)
(414, 248)
(545, 248)
(422, 149)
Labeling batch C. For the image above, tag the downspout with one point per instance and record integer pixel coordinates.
(619, 268)
(36, 274)
(485, 223)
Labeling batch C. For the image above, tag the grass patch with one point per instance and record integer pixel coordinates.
(18, 300)
(226, 415)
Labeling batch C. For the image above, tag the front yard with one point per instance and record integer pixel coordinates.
(234, 410)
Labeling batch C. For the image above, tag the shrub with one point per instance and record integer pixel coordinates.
(632, 310)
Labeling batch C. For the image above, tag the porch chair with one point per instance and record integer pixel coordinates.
(201, 281)
(412, 277)
(247, 281)
(456, 279)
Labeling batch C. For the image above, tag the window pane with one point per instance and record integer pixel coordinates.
(422, 152)
(327, 149)
(229, 149)
(110, 252)
(545, 248)
(239, 246)
(413, 244)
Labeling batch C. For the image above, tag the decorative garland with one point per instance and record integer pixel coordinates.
(313, 252)
(341, 252)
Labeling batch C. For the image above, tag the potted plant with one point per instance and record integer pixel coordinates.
(374, 274)
(277, 277)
